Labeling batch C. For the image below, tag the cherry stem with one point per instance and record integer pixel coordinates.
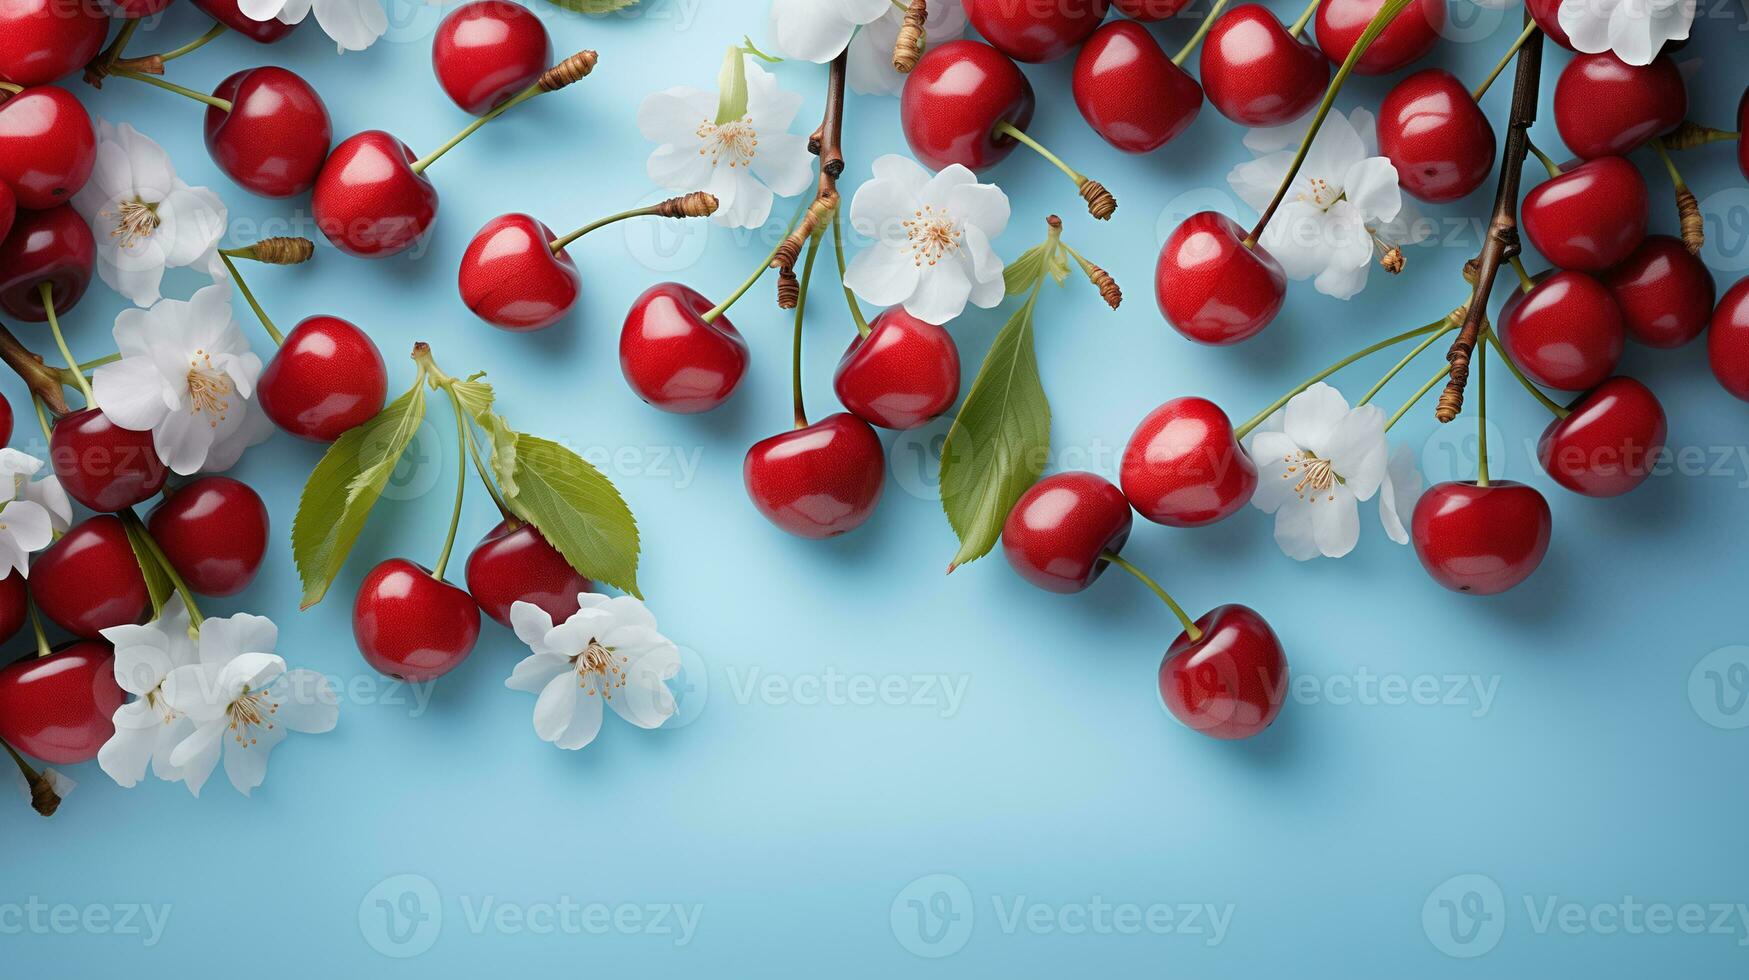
(1417, 396)
(1500, 66)
(1305, 18)
(1190, 627)
(718, 310)
(223, 105)
(1259, 418)
(558, 244)
(1657, 146)
(1445, 326)
(470, 129)
(194, 45)
(1525, 282)
(485, 478)
(796, 353)
(47, 292)
(243, 287)
(1019, 135)
(9, 87)
(1202, 31)
(862, 327)
(1482, 415)
(1553, 406)
(42, 416)
(1374, 28)
(1554, 169)
(112, 54)
(145, 536)
(36, 626)
(461, 479)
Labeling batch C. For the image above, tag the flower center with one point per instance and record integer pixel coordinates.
(247, 715)
(134, 220)
(158, 704)
(931, 235)
(1317, 475)
(209, 390)
(736, 142)
(1322, 193)
(599, 670)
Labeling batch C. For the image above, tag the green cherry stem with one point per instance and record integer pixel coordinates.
(486, 479)
(1374, 28)
(1257, 419)
(1525, 282)
(796, 353)
(1100, 203)
(1482, 415)
(249, 297)
(1553, 406)
(1447, 326)
(718, 310)
(1202, 31)
(1511, 52)
(36, 627)
(461, 478)
(163, 561)
(1305, 18)
(46, 292)
(1190, 627)
(1554, 169)
(10, 88)
(849, 297)
(223, 105)
(572, 69)
(153, 64)
(111, 55)
(698, 204)
(1417, 396)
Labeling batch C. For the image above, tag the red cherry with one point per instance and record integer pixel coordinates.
(1482, 540)
(412, 625)
(8, 209)
(214, 531)
(1256, 73)
(1061, 526)
(228, 13)
(1608, 443)
(1665, 294)
(818, 481)
(53, 246)
(510, 276)
(512, 565)
(102, 465)
(1590, 217)
(59, 708)
(1232, 682)
(1130, 92)
(47, 147)
(904, 373)
(1727, 344)
(1183, 466)
(1546, 13)
(1405, 40)
(90, 579)
(953, 100)
(1606, 107)
(369, 201)
(1565, 333)
(673, 358)
(487, 51)
(14, 605)
(1436, 136)
(5, 420)
(1036, 30)
(1212, 288)
(42, 41)
(327, 377)
(275, 139)
(1149, 10)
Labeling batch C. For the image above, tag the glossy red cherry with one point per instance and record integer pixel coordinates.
(511, 278)
(1565, 333)
(1149, 10)
(904, 373)
(1481, 540)
(410, 624)
(1061, 526)
(14, 605)
(47, 146)
(1130, 92)
(1256, 73)
(818, 481)
(1608, 443)
(1407, 39)
(1212, 288)
(487, 51)
(1665, 294)
(8, 209)
(1232, 682)
(1036, 30)
(5, 421)
(512, 565)
(1546, 13)
(327, 377)
(42, 41)
(673, 358)
(228, 13)
(59, 708)
(1184, 468)
(953, 100)
(368, 199)
(1590, 217)
(1606, 107)
(1727, 343)
(102, 465)
(214, 531)
(275, 139)
(1436, 136)
(90, 579)
(53, 246)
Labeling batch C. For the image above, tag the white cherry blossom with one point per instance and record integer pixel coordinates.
(608, 651)
(1398, 492)
(818, 30)
(148, 729)
(353, 24)
(1316, 460)
(30, 511)
(1635, 30)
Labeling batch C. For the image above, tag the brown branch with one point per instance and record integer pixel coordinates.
(44, 381)
(828, 143)
(1502, 242)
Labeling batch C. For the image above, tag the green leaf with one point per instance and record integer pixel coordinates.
(732, 87)
(594, 6)
(574, 507)
(344, 486)
(158, 584)
(998, 444)
(1020, 274)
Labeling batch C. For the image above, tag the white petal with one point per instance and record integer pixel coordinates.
(1371, 186)
(554, 707)
(1357, 450)
(531, 624)
(1271, 451)
(353, 24)
(193, 690)
(192, 221)
(673, 115)
(1336, 522)
(1312, 417)
(127, 753)
(1398, 493)
(784, 163)
(1293, 531)
(882, 276)
(246, 758)
(182, 441)
(942, 293)
(982, 206)
(142, 657)
(533, 673)
(131, 392)
(1299, 237)
(307, 702)
(196, 756)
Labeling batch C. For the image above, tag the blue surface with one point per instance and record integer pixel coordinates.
(805, 794)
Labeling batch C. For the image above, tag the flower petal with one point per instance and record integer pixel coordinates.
(131, 392)
(533, 673)
(1336, 522)
(555, 706)
(1312, 417)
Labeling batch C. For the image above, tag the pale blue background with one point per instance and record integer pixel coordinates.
(797, 828)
